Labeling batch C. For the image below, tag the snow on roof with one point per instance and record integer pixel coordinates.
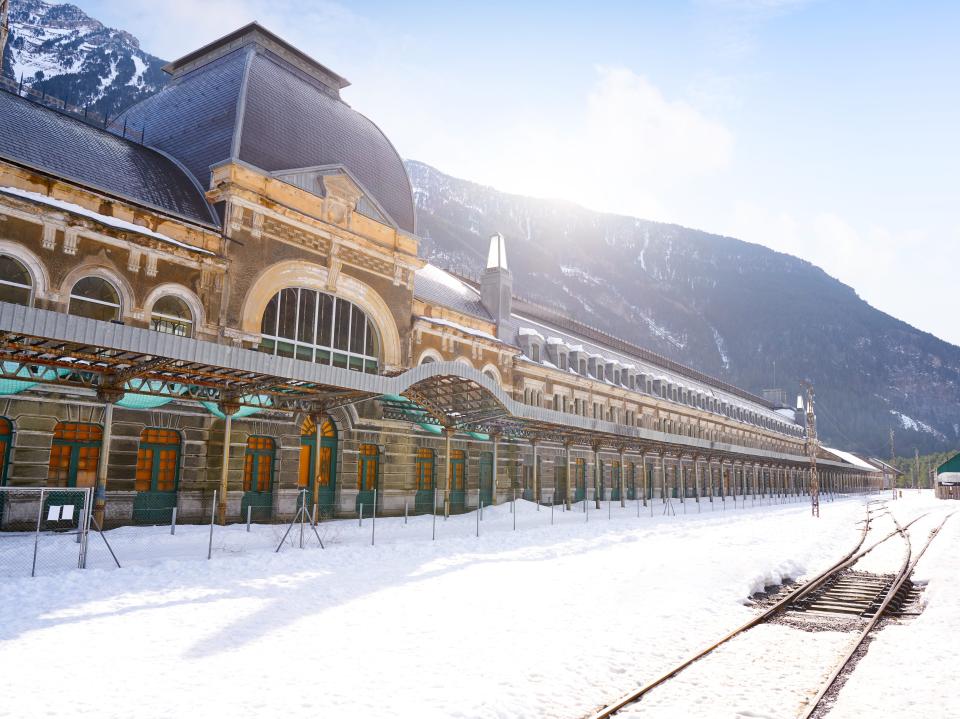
(554, 341)
(460, 328)
(849, 458)
(529, 332)
(432, 272)
(102, 219)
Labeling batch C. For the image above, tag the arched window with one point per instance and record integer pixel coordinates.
(425, 469)
(75, 454)
(16, 285)
(428, 359)
(95, 298)
(171, 314)
(317, 327)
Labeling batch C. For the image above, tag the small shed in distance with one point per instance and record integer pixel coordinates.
(948, 478)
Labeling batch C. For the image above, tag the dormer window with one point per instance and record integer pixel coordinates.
(535, 352)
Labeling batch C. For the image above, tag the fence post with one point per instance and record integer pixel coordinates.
(173, 521)
(434, 514)
(514, 510)
(303, 515)
(373, 523)
(213, 516)
(478, 520)
(36, 537)
(361, 515)
(551, 509)
(249, 515)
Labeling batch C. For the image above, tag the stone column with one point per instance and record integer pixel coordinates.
(571, 483)
(318, 419)
(683, 479)
(224, 471)
(448, 437)
(536, 472)
(663, 480)
(696, 476)
(646, 479)
(496, 461)
(108, 396)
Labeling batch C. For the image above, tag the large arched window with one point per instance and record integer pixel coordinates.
(316, 327)
(16, 285)
(95, 298)
(171, 314)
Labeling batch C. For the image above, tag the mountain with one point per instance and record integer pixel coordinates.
(59, 50)
(739, 311)
(746, 314)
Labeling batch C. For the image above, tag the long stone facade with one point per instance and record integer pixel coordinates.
(313, 262)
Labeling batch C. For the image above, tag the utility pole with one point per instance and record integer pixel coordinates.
(4, 28)
(893, 466)
(916, 468)
(811, 446)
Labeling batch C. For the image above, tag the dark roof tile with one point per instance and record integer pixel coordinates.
(41, 138)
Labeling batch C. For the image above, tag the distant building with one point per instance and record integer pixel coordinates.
(948, 478)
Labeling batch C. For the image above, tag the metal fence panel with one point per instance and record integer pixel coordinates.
(43, 530)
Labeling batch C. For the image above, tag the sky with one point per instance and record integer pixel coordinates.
(827, 130)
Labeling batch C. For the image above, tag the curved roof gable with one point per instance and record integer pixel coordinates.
(252, 97)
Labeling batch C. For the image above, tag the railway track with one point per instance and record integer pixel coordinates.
(837, 592)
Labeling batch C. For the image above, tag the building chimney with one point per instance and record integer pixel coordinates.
(496, 282)
(799, 414)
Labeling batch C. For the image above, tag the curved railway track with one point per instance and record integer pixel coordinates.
(891, 592)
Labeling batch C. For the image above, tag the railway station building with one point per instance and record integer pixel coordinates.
(221, 291)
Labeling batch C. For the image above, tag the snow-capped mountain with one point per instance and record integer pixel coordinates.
(739, 311)
(60, 50)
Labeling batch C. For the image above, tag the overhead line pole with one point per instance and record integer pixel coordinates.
(893, 467)
(812, 454)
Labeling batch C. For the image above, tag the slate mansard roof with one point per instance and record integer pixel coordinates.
(37, 137)
(252, 97)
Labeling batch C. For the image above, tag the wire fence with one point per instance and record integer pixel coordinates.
(43, 529)
(47, 530)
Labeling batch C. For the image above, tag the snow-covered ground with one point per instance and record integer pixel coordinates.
(910, 668)
(551, 620)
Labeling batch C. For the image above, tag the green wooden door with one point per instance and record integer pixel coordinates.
(327, 484)
(486, 478)
(368, 477)
(615, 481)
(158, 476)
(580, 477)
(258, 466)
(74, 458)
(458, 481)
(426, 469)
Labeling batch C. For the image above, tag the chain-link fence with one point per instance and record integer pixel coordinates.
(43, 530)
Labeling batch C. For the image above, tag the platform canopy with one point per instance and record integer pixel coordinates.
(55, 349)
